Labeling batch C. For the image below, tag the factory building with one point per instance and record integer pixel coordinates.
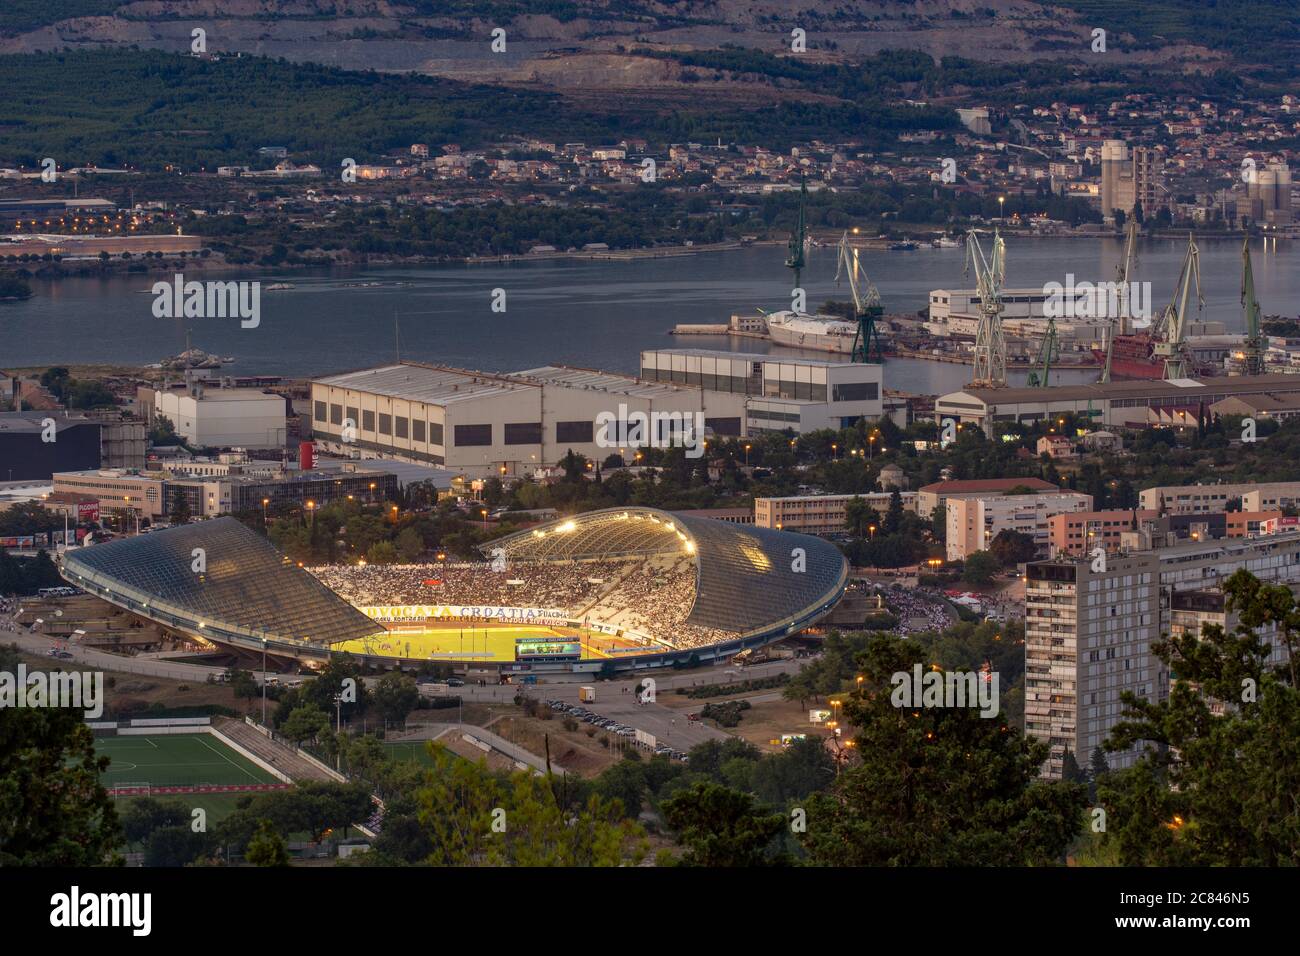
(482, 424)
(1135, 404)
(782, 393)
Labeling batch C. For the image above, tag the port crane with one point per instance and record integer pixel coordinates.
(990, 346)
(866, 305)
(1254, 347)
(1126, 270)
(798, 238)
(1046, 356)
(1172, 343)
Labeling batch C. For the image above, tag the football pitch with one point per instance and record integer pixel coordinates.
(176, 760)
(488, 644)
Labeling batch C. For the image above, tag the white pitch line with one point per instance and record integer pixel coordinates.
(227, 759)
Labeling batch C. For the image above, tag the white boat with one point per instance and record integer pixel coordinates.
(822, 333)
(280, 286)
(944, 242)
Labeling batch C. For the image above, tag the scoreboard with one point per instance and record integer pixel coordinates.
(546, 649)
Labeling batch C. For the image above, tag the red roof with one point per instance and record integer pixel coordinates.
(988, 484)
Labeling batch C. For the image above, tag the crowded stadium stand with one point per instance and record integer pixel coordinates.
(624, 587)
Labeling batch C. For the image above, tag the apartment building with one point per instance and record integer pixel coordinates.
(820, 514)
(1089, 629)
(1202, 499)
(1079, 532)
(973, 522)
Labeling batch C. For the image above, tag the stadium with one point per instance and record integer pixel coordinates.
(611, 590)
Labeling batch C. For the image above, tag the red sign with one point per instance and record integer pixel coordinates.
(88, 511)
(432, 582)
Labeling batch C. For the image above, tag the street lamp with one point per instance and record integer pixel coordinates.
(747, 447)
(311, 511)
(265, 502)
(835, 449)
(1001, 201)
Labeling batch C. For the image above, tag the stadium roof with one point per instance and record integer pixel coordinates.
(747, 578)
(247, 587)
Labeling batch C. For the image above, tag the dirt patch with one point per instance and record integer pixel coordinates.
(571, 749)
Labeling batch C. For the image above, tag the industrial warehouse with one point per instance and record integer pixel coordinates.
(513, 424)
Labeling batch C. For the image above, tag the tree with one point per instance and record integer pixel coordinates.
(859, 516)
(722, 827)
(267, 848)
(180, 513)
(979, 569)
(475, 818)
(1218, 780)
(305, 723)
(382, 552)
(1012, 547)
(410, 545)
(894, 516)
(936, 786)
(54, 810)
(396, 696)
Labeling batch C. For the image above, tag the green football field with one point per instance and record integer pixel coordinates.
(486, 644)
(176, 760)
(410, 750)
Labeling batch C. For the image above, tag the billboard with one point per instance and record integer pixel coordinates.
(532, 648)
(417, 613)
(88, 511)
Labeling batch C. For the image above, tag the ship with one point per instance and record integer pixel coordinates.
(822, 333)
(1133, 357)
(280, 286)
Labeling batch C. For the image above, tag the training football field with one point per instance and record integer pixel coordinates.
(486, 644)
(176, 760)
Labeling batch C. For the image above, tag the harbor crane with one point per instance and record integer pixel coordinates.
(1172, 344)
(799, 238)
(1254, 349)
(1046, 356)
(1127, 269)
(990, 346)
(866, 305)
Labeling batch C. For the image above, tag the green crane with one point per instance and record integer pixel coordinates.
(1046, 356)
(798, 237)
(1254, 347)
(866, 306)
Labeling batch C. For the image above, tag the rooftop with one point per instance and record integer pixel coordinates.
(974, 486)
(1239, 385)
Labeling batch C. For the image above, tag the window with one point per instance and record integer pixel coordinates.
(400, 424)
(385, 424)
(573, 432)
(354, 415)
(336, 414)
(868, 391)
(469, 435)
(417, 430)
(435, 433)
(723, 426)
(368, 421)
(319, 414)
(523, 433)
